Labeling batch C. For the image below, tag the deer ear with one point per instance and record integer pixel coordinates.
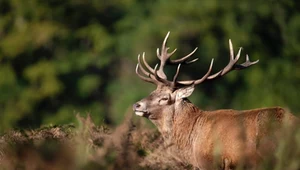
(184, 92)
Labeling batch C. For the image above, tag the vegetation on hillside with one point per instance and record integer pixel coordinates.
(86, 147)
(129, 146)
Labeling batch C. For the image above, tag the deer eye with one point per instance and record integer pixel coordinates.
(164, 98)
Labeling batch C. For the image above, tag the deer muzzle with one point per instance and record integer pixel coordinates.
(139, 109)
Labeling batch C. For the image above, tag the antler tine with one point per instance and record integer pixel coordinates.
(158, 78)
(232, 63)
(164, 57)
(163, 46)
(184, 59)
(189, 62)
(232, 60)
(246, 64)
(177, 61)
(168, 55)
(149, 77)
(141, 68)
(231, 50)
(176, 74)
(195, 82)
(146, 64)
(206, 75)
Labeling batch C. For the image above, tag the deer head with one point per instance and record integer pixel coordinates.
(170, 97)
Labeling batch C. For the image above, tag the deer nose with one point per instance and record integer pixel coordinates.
(136, 106)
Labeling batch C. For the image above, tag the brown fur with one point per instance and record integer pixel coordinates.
(221, 138)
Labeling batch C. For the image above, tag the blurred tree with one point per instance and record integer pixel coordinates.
(58, 58)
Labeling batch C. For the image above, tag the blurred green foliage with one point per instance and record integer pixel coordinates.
(58, 58)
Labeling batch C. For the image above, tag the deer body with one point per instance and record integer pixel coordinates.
(206, 138)
(239, 135)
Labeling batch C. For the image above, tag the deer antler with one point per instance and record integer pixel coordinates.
(164, 57)
(151, 75)
(232, 63)
(158, 77)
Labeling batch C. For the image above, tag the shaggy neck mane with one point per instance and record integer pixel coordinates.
(185, 118)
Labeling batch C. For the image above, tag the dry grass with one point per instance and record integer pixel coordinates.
(91, 147)
(87, 147)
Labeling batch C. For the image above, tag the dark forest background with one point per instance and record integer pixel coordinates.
(59, 58)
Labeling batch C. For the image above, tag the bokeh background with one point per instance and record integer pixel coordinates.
(59, 58)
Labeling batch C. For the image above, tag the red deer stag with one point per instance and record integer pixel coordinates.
(243, 136)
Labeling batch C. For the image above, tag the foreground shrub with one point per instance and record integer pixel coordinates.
(129, 146)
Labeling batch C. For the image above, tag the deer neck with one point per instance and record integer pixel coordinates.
(185, 117)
